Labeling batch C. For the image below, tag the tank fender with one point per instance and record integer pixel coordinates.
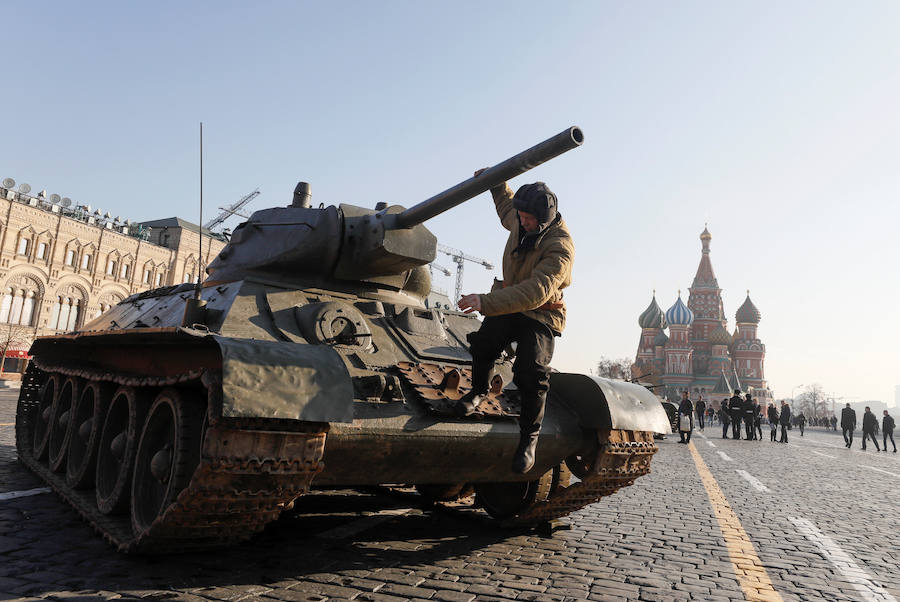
(603, 404)
(266, 379)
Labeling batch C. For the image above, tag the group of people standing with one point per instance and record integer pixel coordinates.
(744, 409)
(869, 426)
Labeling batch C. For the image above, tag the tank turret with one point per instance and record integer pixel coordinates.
(382, 245)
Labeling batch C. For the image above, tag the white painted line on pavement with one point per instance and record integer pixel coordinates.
(700, 434)
(754, 482)
(841, 560)
(11, 495)
(710, 443)
(725, 456)
(893, 474)
(821, 454)
(362, 524)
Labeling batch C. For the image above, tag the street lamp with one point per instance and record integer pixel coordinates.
(792, 392)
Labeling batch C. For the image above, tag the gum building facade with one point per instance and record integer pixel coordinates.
(60, 267)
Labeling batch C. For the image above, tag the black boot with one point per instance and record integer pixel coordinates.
(523, 461)
(468, 403)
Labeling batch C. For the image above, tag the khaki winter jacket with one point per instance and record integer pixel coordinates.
(532, 280)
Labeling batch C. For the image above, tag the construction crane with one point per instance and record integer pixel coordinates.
(233, 209)
(459, 258)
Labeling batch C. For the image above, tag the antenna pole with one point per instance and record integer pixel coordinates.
(200, 223)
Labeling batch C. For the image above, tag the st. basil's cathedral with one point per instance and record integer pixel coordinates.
(699, 354)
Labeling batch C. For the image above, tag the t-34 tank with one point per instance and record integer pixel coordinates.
(189, 417)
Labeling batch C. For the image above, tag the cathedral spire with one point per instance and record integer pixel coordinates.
(705, 277)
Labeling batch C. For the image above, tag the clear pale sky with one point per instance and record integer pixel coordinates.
(775, 123)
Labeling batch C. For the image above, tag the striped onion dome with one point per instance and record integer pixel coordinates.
(660, 340)
(747, 313)
(652, 317)
(679, 314)
(719, 336)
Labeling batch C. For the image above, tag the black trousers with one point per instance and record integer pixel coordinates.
(748, 426)
(891, 435)
(700, 419)
(848, 436)
(758, 426)
(531, 368)
(784, 430)
(774, 428)
(725, 430)
(736, 425)
(866, 435)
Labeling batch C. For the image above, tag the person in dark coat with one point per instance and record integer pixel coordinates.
(848, 424)
(757, 420)
(833, 422)
(700, 407)
(725, 418)
(784, 420)
(772, 415)
(801, 422)
(749, 415)
(870, 423)
(735, 411)
(887, 428)
(685, 418)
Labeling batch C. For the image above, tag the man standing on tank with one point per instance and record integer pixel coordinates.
(736, 409)
(848, 424)
(526, 307)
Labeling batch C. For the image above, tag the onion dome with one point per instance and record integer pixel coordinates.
(747, 313)
(679, 314)
(719, 336)
(652, 316)
(660, 340)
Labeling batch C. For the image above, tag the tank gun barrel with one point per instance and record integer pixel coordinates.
(554, 146)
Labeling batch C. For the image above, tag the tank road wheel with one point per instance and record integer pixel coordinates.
(87, 420)
(41, 424)
(60, 419)
(167, 456)
(115, 454)
(505, 500)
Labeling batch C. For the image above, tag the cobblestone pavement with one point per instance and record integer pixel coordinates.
(822, 520)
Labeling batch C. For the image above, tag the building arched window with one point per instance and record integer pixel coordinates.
(68, 310)
(19, 301)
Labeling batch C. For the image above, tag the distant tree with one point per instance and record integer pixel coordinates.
(13, 336)
(812, 401)
(615, 368)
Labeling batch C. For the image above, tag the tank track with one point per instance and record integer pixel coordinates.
(622, 457)
(233, 492)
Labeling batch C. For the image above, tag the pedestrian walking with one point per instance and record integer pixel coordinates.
(685, 418)
(848, 424)
(887, 429)
(735, 411)
(725, 418)
(784, 419)
(772, 416)
(833, 422)
(870, 423)
(801, 422)
(749, 414)
(700, 407)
